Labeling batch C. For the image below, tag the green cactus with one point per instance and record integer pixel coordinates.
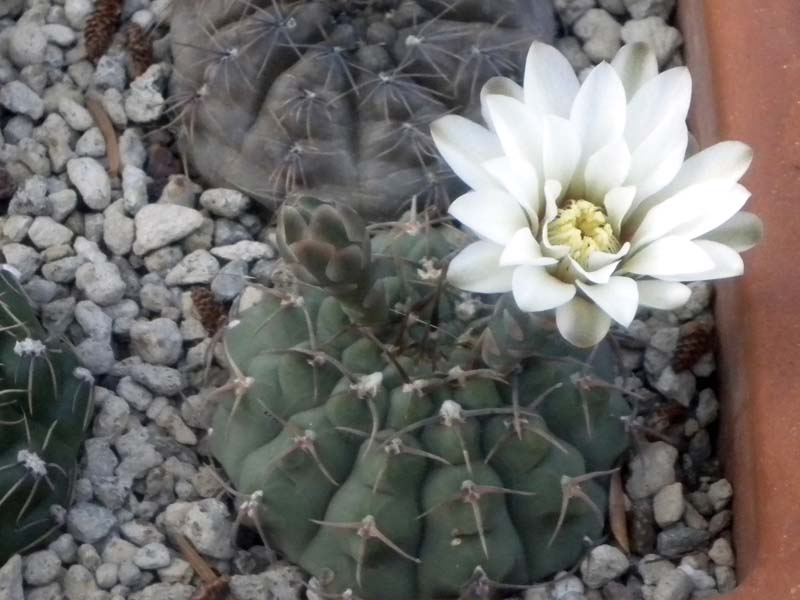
(335, 97)
(46, 403)
(400, 441)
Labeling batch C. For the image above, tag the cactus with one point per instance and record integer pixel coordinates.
(399, 440)
(335, 97)
(45, 409)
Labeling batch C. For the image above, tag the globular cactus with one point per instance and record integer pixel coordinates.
(400, 441)
(46, 403)
(335, 97)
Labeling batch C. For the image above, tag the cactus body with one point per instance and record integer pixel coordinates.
(395, 439)
(45, 408)
(335, 97)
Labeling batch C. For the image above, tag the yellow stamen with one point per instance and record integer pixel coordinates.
(584, 227)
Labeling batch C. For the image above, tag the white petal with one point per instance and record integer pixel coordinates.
(726, 263)
(520, 179)
(552, 193)
(663, 295)
(600, 260)
(477, 269)
(492, 214)
(619, 298)
(659, 158)
(743, 231)
(684, 207)
(535, 289)
(666, 97)
(618, 202)
(499, 86)
(550, 81)
(606, 169)
(561, 150)
(668, 256)
(464, 145)
(599, 275)
(517, 127)
(582, 323)
(717, 210)
(599, 109)
(726, 160)
(635, 64)
(523, 249)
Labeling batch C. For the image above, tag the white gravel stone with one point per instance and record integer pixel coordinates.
(152, 556)
(600, 33)
(41, 567)
(158, 225)
(675, 585)
(62, 203)
(107, 575)
(157, 342)
(60, 34)
(244, 250)
(101, 282)
(75, 114)
(572, 10)
(615, 7)
(79, 583)
(27, 44)
(209, 527)
(45, 232)
(224, 202)
(11, 579)
(603, 564)
(134, 189)
(77, 12)
(198, 267)
(89, 523)
(93, 320)
(15, 227)
(721, 553)
(651, 470)
(91, 144)
(56, 135)
(279, 581)
(144, 102)
(720, 494)
(700, 579)
(92, 182)
(639, 9)
(668, 505)
(119, 229)
(663, 39)
(23, 258)
(19, 98)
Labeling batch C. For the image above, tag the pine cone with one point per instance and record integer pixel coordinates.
(210, 311)
(101, 27)
(696, 339)
(140, 49)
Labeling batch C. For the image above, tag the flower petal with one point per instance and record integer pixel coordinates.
(618, 202)
(726, 263)
(523, 249)
(668, 256)
(561, 149)
(726, 160)
(663, 295)
(477, 269)
(598, 112)
(492, 214)
(600, 260)
(635, 64)
(535, 289)
(520, 179)
(606, 169)
(741, 232)
(619, 298)
(582, 323)
(499, 86)
(599, 275)
(518, 128)
(550, 81)
(718, 210)
(464, 145)
(659, 158)
(665, 98)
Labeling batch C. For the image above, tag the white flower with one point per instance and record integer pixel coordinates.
(583, 200)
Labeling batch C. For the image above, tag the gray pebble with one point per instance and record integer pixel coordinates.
(90, 522)
(152, 556)
(224, 202)
(280, 581)
(653, 31)
(572, 10)
(91, 143)
(198, 267)
(23, 258)
(651, 469)
(19, 98)
(639, 9)
(27, 44)
(668, 505)
(65, 547)
(62, 203)
(78, 583)
(600, 33)
(245, 250)
(88, 557)
(209, 527)
(129, 574)
(680, 540)
(603, 564)
(157, 342)
(107, 575)
(41, 568)
(75, 114)
(101, 282)
(161, 380)
(230, 281)
(45, 232)
(675, 585)
(720, 494)
(158, 225)
(92, 182)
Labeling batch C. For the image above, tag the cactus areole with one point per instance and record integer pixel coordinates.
(45, 409)
(400, 439)
(336, 97)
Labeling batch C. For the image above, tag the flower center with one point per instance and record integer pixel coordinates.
(583, 227)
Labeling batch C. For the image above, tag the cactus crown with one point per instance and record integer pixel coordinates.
(45, 409)
(399, 439)
(335, 97)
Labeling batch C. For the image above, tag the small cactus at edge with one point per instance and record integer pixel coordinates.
(399, 439)
(335, 97)
(46, 403)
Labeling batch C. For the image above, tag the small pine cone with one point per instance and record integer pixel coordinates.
(101, 27)
(140, 49)
(696, 339)
(210, 311)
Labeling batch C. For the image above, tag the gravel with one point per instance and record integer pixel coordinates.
(110, 262)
